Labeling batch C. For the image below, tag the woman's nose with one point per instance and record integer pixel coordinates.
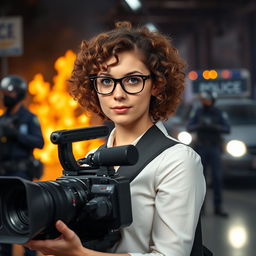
(119, 93)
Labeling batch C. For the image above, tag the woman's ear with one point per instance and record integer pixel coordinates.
(155, 90)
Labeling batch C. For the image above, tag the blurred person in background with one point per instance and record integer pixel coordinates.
(135, 78)
(20, 133)
(209, 123)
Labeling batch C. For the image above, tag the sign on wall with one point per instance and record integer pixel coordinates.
(11, 36)
(226, 83)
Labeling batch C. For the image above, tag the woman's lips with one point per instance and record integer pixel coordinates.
(120, 109)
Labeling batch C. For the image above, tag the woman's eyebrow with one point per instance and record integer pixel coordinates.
(127, 74)
(133, 72)
(103, 74)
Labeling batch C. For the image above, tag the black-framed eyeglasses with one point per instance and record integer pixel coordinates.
(131, 84)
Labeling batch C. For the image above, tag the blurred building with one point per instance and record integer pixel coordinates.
(208, 33)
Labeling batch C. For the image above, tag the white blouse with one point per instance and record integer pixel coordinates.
(167, 196)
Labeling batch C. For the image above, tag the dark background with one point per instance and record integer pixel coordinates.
(208, 33)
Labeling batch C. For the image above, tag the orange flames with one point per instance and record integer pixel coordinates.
(57, 110)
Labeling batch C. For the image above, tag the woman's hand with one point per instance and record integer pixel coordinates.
(67, 244)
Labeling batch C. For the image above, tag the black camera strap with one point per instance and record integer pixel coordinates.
(151, 144)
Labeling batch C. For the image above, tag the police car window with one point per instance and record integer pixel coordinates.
(240, 114)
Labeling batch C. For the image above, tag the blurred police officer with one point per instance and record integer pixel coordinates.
(20, 133)
(209, 123)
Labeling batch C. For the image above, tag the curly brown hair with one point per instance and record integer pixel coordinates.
(158, 55)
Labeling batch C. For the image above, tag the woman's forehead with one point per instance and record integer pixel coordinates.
(126, 59)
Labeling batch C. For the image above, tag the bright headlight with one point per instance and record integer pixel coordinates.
(185, 137)
(236, 148)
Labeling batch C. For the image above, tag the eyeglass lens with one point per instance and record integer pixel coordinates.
(130, 84)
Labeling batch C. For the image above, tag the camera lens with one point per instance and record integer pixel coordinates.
(17, 212)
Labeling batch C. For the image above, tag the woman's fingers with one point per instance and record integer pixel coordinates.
(66, 244)
(67, 233)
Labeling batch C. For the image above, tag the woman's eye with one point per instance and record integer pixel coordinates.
(106, 81)
(133, 80)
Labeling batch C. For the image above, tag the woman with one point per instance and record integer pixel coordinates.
(135, 78)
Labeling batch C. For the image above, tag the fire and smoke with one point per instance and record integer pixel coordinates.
(57, 110)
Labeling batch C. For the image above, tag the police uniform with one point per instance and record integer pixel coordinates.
(19, 135)
(210, 123)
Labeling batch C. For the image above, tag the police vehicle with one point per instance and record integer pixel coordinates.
(233, 90)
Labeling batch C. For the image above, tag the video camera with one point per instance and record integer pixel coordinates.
(91, 198)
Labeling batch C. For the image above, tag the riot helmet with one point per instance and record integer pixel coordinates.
(14, 89)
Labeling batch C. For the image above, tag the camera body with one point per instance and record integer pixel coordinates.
(91, 198)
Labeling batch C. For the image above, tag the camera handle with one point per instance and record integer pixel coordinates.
(67, 160)
(72, 167)
(64, 140)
